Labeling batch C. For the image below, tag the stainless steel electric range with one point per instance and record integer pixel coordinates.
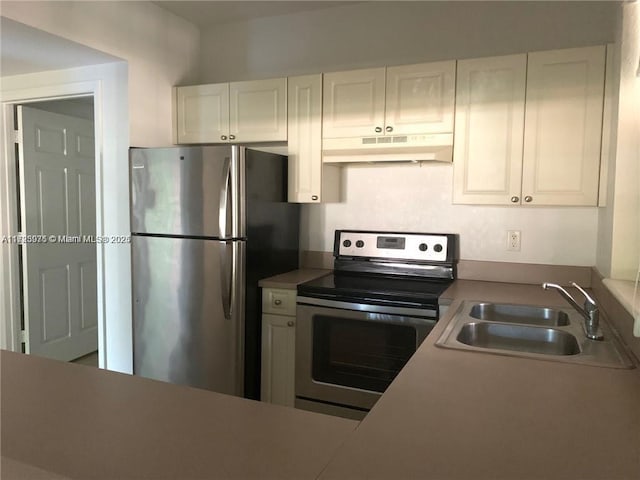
(358, 327)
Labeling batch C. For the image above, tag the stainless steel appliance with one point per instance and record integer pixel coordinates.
(358, 327)
(207, 223)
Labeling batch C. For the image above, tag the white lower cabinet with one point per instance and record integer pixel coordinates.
(278, 346)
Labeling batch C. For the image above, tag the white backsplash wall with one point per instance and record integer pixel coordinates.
(411, 197)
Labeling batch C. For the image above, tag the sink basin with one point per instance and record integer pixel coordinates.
(542, 333)
(527, 314)
(519, 338)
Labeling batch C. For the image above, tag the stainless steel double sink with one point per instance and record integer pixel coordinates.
(531, 331)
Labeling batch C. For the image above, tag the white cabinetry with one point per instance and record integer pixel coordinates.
(420, 98)
(400, 100)
(202, 113)
(278, 346)
(353, 103)
(252, 111)
(549, 155)
(489, 126)
(309, 180)
(563, 126)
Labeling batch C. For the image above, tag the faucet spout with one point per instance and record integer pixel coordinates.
(589, 311)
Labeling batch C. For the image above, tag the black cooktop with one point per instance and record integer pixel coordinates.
(357, 288)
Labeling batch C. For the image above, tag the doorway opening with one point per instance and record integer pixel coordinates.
(56, 215)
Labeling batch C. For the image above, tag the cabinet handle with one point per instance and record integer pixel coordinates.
(515, 199)
(389, 129)
(290, 323)
(277, 302)
(232, 137)
(314, 197)
(528, 198)
(378, 129)
(223, 137)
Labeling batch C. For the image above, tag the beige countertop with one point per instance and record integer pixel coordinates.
(291, 280)
(449, 414)
(80, 422)
(452, 414)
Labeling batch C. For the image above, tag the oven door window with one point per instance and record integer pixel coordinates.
(358, 353)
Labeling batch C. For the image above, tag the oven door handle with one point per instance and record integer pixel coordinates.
(366, 307)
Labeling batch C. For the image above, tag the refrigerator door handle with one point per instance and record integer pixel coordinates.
(233, 276)
(238, 188)
(226, 277)
(223, 213)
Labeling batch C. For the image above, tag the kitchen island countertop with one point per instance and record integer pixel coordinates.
(449, 414)
(79, 422)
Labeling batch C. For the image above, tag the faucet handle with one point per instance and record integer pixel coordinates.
(588, 297)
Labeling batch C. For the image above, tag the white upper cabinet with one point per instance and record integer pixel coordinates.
(549, 155)
(420, 98)
(253, 111)
(309, 180)
(489, 125)
(563, 126)
(353, 103)
(202, 113)
(410, 99)
(258, 111)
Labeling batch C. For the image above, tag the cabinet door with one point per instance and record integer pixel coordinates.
(419, 98)
(353, 103)
(563, 126)
(278, 359)
(258, 111)
(202, 113)
(305, 138)
(489, 126)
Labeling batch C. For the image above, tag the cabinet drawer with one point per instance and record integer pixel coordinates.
(280, 302)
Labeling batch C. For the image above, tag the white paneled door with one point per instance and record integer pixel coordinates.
(57, 199)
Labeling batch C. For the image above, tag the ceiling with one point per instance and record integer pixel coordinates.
(22, 50)
(207, 13)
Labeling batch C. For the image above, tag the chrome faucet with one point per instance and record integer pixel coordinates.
(590, 310)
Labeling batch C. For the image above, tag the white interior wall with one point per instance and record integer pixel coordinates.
(370, 34)
(387, 33)
(625, 250)
(108, 84)
(161, 50)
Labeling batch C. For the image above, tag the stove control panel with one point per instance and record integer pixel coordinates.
(401, 246)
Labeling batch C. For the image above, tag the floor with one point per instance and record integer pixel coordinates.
(90, 360)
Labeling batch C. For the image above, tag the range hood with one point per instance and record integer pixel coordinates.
(389, 148)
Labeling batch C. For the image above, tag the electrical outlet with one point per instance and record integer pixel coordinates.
(513, 240)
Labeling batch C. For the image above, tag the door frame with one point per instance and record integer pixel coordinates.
(107, 84)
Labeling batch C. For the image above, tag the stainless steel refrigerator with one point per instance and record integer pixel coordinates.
(207, 223)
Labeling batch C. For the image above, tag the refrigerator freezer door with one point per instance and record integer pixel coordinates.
(182, 191)
(188, 320)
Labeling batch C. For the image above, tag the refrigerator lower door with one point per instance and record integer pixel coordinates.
(188, 319)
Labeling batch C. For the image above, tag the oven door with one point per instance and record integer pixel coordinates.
(349, 353)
